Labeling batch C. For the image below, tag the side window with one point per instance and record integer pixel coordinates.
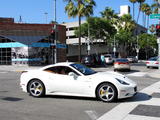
(52, 70)
(66, 70)
(60, 70)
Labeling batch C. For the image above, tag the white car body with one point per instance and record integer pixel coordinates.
(152, 62)
(121, 64)
(109, 59)
(82, 85)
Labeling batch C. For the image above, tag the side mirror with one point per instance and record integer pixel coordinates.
(75, 76)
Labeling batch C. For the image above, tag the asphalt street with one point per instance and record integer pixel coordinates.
(16, 105)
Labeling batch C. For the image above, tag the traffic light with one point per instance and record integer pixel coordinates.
(158, 30)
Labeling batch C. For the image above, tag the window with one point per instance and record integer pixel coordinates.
(60, 70)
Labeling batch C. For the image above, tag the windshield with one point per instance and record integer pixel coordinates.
(153, 59)
(83, 69)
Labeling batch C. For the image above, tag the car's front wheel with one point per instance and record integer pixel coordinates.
(106, 92)
(36, 88)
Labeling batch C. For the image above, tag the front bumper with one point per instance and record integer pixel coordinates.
(127, 92)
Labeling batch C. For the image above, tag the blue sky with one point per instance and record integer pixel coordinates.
(33, 11)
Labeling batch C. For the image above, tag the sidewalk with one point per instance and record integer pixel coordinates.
(19, 68)
(146, 106)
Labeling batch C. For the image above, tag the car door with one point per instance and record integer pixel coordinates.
(64, 83)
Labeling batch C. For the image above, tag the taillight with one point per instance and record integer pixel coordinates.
(147, 62)
(156, 63)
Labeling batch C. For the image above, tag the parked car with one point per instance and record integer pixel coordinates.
(132, 59)
(109, 59)
(121, 64)
(97, 59)
(88, 60)
(152, 62)
(76, 80)
(91, 60)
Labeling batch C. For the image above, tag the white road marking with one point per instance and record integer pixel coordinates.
(137, 74)
(3, 72)
(92, 114)
(121, 111)
(137, 117)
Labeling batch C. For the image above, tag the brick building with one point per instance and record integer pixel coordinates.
(30, 44)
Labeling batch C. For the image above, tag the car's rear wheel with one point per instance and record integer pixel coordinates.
(36, 88)
(106, 92)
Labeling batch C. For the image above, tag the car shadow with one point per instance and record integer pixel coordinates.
(138, 97)
(70, 97)
(126, 71)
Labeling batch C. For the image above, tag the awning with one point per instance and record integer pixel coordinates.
(28, 40)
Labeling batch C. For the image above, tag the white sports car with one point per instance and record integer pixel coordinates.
(74, 79)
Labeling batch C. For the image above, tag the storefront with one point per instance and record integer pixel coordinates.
(30, 44)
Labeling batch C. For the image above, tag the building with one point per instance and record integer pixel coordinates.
(88, 46)
(124, 9)
(30, 44)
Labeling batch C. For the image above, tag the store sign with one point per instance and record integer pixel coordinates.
(155, 16)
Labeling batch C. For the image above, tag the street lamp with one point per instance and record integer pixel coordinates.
(46, 16)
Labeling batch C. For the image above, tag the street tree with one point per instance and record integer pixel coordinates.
(79, 8)
(133, 2)
(125, 27)
(98, 28)
(155, 6)
(140, 5)
(147, 42)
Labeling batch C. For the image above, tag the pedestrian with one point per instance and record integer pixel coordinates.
(103, 62)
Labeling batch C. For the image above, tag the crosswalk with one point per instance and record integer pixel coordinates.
(125, 111)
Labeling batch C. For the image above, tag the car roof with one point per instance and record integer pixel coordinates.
(58, 64)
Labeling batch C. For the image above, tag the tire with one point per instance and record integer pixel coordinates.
(106, 92)
(36, 88)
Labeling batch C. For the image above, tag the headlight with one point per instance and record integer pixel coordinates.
(122, 82)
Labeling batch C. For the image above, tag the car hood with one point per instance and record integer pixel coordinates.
(112, 75)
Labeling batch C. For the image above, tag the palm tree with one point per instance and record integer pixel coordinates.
(155, 6)
(148, 12)
(144, 8)
(80, 8)
(133, 2)
(140, 5)
(126, 26)
(110, 15)
(126, 23)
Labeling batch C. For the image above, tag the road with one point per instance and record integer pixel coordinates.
(16, 105)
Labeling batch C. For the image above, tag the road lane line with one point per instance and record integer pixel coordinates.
(92, 114)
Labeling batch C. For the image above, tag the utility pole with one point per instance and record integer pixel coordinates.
(88, 42)
(137, 49)
(55, 40)
(158, 39)
(114, 47)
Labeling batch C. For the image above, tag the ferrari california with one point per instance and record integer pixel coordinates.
(74, 79)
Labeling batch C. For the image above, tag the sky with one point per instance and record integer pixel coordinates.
(42, 11)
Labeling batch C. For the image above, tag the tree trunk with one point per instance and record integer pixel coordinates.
(79, 37)
(122, 51)
(147, 23)
(133, 11)
(139, 12)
